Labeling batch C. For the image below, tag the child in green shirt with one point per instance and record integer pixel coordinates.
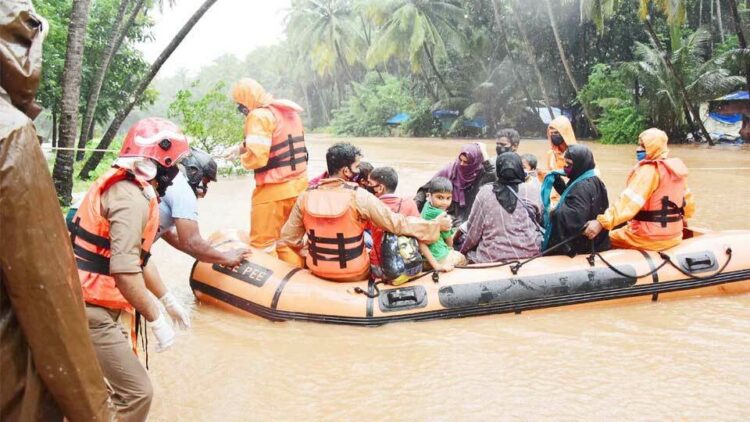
(440, 255)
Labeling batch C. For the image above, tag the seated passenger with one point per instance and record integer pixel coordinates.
(507, 140)
(334, 214)
(470, 171)
(529, 162)
(383, 182)
(504, 221)
(582, 199)
(655, 203)
(440, 254)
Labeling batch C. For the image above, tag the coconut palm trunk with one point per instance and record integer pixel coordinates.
(566, 66)
(62, 174)
(678, 80)
(111, 132)
(532, 57)
(120, 28)
(740, 37)
(719, 20)
(513, 60)
(431, 60)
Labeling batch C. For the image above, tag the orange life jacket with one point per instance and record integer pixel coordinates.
(661, 216)
(335, 234)
(89, 233)
(288, 158)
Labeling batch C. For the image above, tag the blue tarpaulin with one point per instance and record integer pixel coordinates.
(735, 96)
(398, 119)
(438, 114)
(479, 123)
(729, 119)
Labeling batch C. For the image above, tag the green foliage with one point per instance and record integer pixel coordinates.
(366, 113)
(605, 89)
(621, 125)
(213, 119)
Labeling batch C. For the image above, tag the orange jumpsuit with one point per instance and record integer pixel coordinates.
(642, 183)
(271, 202)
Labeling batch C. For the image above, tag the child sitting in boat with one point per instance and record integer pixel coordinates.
(440, 255)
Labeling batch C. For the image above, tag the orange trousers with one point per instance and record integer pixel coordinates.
(266, 221)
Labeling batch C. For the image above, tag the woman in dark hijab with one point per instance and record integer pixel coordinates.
(504, 221)
(582, 199)
(470, 171)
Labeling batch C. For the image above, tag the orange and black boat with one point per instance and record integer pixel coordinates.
(705, 264)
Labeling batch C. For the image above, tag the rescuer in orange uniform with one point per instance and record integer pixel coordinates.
(112, 233)
(274, 147)
(560, 136)
(334, 215)
(655, 203)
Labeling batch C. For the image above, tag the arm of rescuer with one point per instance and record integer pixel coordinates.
(640, 187)
(372, 209)
(256, 148)
(39, 278)
(186, 237)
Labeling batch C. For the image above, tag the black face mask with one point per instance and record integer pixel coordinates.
(242, 109)
(557, 139)
(164, 177)
(501, 149)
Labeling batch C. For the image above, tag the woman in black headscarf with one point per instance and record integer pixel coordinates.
(582, 199)
(503, 223)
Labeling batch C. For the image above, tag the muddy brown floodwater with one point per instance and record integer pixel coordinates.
(677, 360)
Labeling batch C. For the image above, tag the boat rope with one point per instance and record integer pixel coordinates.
(514, 268)
(667, 258)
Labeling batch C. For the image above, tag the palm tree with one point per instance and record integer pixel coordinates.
(566, 65)
(531, 56)
(120, 27)
(417, 31)
(703, 79)
(109, 135)
(62, 173)
(740, 37)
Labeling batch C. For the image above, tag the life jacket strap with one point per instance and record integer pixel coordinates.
(340, 253)
(75, 229)
(669, 213)
(289, 158)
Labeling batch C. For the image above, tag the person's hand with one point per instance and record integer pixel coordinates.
(445, 221)
(483, 149)
(163, 332)
(234, 257)
(592, 229)
(232, 153)
(180, 315)
(445, 268)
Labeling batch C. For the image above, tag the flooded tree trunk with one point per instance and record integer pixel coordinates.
(62, 174)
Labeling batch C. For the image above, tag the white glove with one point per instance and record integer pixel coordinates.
(232, 153)
(180, 315)
(163, 332)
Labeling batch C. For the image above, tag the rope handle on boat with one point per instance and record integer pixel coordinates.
(517, 266)
(373, 295)
(668, 259)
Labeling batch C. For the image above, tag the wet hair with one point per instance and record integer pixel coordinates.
(531, 159)
(365, 168)
(511, 134)
(439, 185)
(341, 155)
(387, 177)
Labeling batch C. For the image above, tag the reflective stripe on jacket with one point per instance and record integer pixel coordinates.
(661, 216)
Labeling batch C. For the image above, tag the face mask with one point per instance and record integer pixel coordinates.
(242, 109)
(568, 171)
(355, 176)
(557, 139)
(164, 177)
(501, 149)
(640, 155)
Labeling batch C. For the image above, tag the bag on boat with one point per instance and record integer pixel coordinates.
(400, 258)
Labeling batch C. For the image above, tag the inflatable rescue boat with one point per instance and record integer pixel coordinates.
(705, 264)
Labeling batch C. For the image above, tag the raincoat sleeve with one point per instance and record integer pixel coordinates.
(370, 208)
(259, 127)
(39, 279)
(640, 187)
(689, 203)
(293, 232)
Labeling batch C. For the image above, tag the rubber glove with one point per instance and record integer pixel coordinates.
(180, 315)
(163, 332)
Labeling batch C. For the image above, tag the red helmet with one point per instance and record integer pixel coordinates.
(155, 138)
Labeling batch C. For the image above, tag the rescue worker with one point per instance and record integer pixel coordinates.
(655, 203)
(274, 147)
(334, 215)
(48, 368)
(112, 233)
(560, 136)
(178, 225)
